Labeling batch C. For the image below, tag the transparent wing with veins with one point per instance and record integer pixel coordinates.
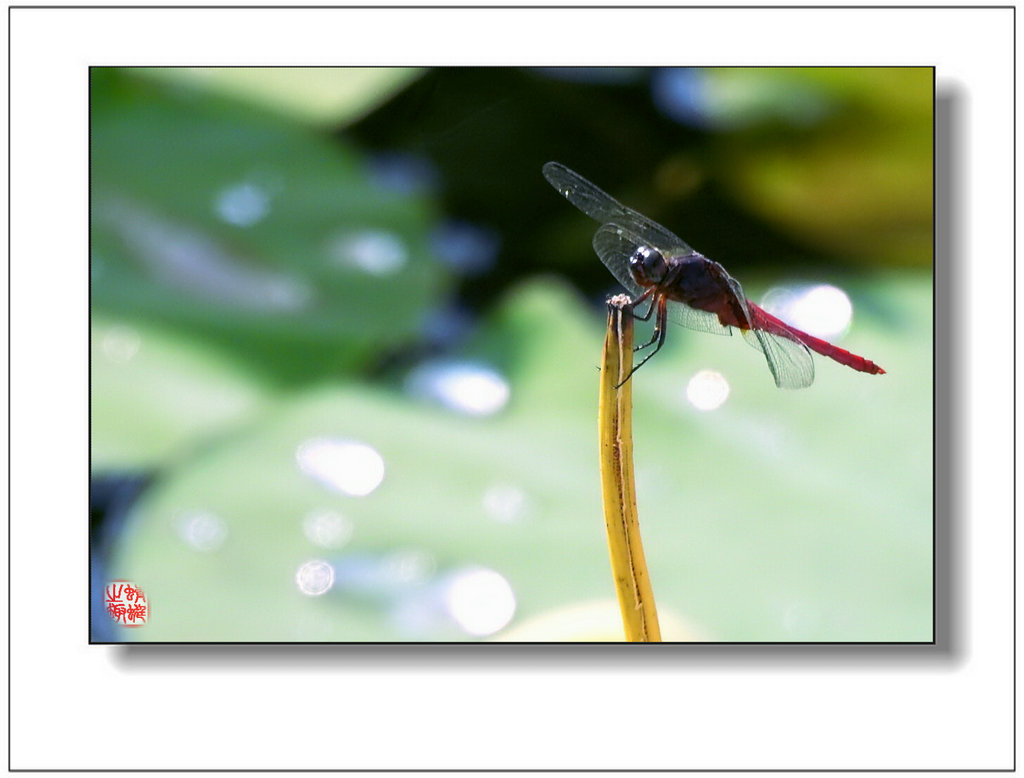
(602, 207)
(789, 360)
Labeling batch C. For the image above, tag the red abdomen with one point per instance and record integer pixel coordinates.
(762, 320)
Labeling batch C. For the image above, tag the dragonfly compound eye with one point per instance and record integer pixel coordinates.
(647, 265)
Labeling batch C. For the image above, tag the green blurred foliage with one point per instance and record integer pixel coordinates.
(156, 394)
(278, 280)
(223, 338)
(777, 517)
(324, 96)
(857, 183)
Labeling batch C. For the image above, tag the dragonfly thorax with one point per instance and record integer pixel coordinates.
(647, 265)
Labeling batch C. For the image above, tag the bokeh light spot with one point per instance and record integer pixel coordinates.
(461, 386)
(327, 528)
(243, 205)
(120, 344)
(480, 601)
(707, 390)
(825, 311)
(348, 466)
(464, 247)
(314, 577)
(504, 503)
(202, 530)
(377, 252)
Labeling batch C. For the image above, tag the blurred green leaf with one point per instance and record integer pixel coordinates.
(856, 182)
(245, 267)
(782, 516)
(251, 231)
(320, 95)
(155, 395)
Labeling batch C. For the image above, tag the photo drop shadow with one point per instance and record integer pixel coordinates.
(950, 316)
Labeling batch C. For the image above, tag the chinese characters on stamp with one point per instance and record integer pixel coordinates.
(126, 604)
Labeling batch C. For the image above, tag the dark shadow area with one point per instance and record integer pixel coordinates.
(524, 657)
(951, 399)
(488, 131)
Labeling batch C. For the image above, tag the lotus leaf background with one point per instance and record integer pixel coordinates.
(344, 339)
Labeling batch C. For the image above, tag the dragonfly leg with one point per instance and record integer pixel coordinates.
(659, 335)
(640, 299)
(654, 337)
(654, 303)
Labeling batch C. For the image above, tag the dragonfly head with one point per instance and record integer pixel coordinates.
(648, 266)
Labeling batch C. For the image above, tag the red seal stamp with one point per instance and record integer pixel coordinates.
(126, 604)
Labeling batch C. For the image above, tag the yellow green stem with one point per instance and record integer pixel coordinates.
(615, 431)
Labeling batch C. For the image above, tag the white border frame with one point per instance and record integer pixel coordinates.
(77, 706)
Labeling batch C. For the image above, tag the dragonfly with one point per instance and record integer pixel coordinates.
(684, 286)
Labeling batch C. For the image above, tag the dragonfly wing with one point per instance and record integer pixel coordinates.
(614, 247)
(602, 207)
(789, 360)
(696, 319)
(737, 292)
(615, 244)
